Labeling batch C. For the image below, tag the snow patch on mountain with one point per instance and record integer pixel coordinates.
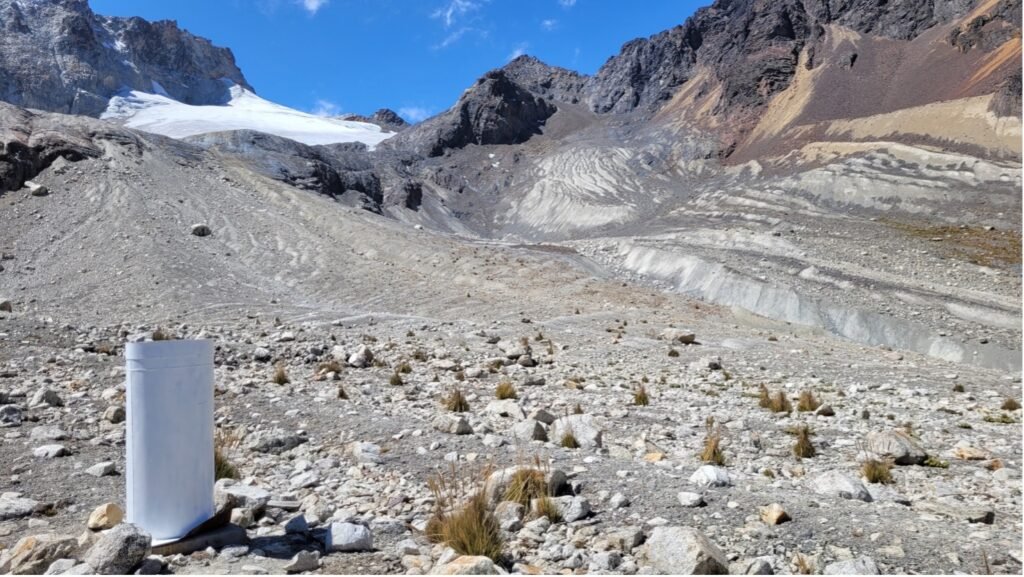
(160, 114)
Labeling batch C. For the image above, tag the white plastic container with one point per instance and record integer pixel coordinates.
(169, 436)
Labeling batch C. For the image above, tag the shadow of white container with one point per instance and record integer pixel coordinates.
(169, 436)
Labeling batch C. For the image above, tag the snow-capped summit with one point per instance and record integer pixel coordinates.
(158, 113)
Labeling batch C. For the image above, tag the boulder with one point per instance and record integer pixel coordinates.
(343, 537)
(529, 431)
(453, 424)
(583, 427)
(10, 416)
(13, 506)
(50, 451)
(571, 508)
(362, 358)
(689, 499)
(837, 484)
(105, 516)
(244, 496)
(33, 555)
(711, 476)
(678, 335)
(119, 550)
(897, 446)
(505, 408)
(674, 550)
(303, 561)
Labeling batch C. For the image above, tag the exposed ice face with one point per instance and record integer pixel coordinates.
(161, 114)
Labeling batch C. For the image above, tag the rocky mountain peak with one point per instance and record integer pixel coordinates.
(62, 57)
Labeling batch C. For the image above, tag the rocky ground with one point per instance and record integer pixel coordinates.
(313, 467)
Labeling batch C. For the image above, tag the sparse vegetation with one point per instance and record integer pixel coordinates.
(712, 452)
(936, 463)
(803, 448)
(224, 441)
(807, 402)
(578, 409)
(526, 484)
(640, 397)
(506, 390)
(280, 376)
(875, 471)
(404, 367)
(803, 565)
(342, 394)
(764, 398)
(673, 353)
(331, 366)
(546, 507)
(470, 529)
(1010, 404)
(779, 403)
(1002, 419)
(456, 401)
(569, 441)
(958, 388)
(396, 380)
(161, 335)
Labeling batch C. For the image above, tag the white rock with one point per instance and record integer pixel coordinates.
(683, 551)
(348, 537)
(711, 476)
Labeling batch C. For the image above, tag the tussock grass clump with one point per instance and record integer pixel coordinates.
(223, 468)
(342, 394)
(161, 335)
(469, 529)
(764, 398)
(547, 508)
(569, 441)
(640, 397)
(936, 463)
(1002, 419)
(803, 448)
(875, 471)
(280, 376)
(404, 367)
(808, 402)
(803, 565)
(577, 410)
(1010, 404)
(396, 380)
(506, 390)
(958, 388)
(456, 402)
(419, 355)
(526, 485)
(673, 353)
(712, 452)
(779, 403)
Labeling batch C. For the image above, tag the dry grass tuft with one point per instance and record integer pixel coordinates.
(779, 403)
(280, 375)
(470, 529)
(577, 410)
(803, 565)
(329, 367)
(506, 390)
(875, 471)
(764, 398)
(1010, 404)
(640, 397)
(526, 485)
(545, 507)
(456, 402)
(569, 441)
(396, 380)
(161, 335)
(342, 394)
(803, 448)
(712, 452)
(224, 441)
(673, 353)
(808, 402)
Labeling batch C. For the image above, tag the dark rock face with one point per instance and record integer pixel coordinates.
(333, 169)
(385, 118)
(989, 31)
(1007, 101)
(495, 110)
(550, 82)
(61, 57)
(30, 142)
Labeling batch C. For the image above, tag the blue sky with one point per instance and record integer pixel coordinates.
(415, 57)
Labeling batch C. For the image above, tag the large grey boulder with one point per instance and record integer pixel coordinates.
(897, 446)
(837, 484)
(14, 506)
(673, 550)
(119, 550)
(583, 427)
(348, 537)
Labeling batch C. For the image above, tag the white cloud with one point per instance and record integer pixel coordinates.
(549, 24)
(567, 3)
(453, 37)
(519, 50)
(455, 10)
(414, 113)
(312, 6)
(325, 108)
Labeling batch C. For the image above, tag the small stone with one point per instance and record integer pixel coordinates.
(605, 561)
(466, 565)
(571, 508)
(297, 525)
(529, 430)
(46, 397)
(201, 230)
(303, 561)
(10, 416)
(262, 355)
(114, 414)
(348, 537)
(6, 305)
(48, 433)
(453, 424)
(711, 476)
(36, 189)
(618, 501)
(841, 485)
(50, 451)
(858, 566)
(362, 358)
(16, 507)
(896, 446)
(105, 516)
(102, 469)
(774, 514)
(365, 452)
(508, 408)
(689, 499)
(119, 550)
